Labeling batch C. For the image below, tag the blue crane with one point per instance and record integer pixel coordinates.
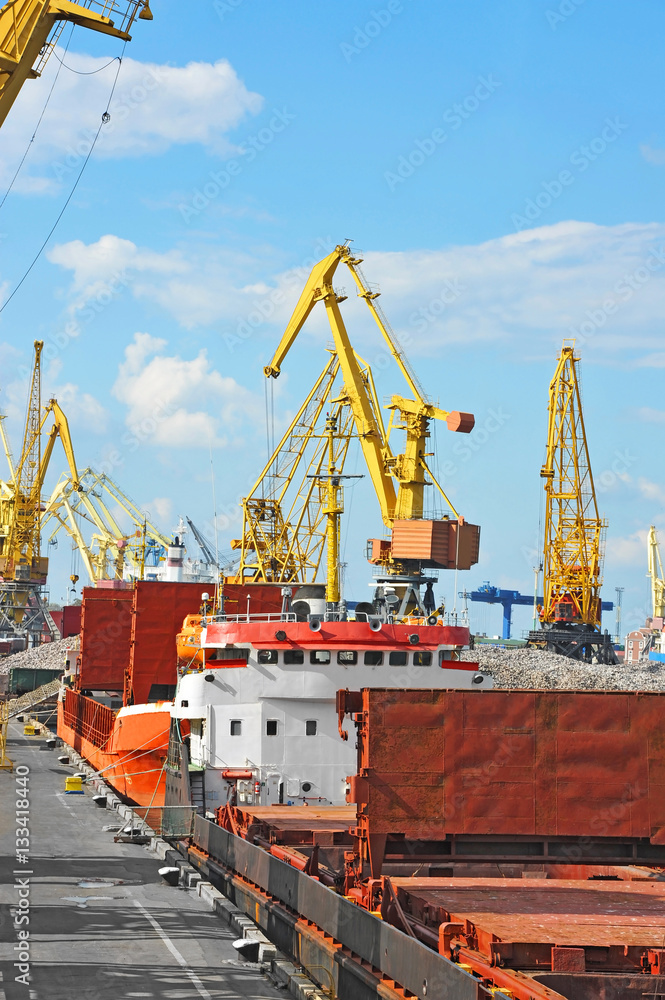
(507, 598)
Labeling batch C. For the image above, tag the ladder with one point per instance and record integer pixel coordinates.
(6, 764)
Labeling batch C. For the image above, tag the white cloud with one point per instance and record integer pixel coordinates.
(154, 107)
(651, 416)
(164, 396)
(601, 284)
(80, 408)
(160, 509)
(629, 551)
(653, 155)
(103, 270)
(651, 491)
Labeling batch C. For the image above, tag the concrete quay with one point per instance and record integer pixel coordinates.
(85, 917)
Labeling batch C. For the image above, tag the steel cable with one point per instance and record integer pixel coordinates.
(23, 159)
(106, 117)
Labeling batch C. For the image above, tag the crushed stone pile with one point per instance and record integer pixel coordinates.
(50, 655)
(534, 668)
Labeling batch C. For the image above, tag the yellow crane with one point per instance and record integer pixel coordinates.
(284, 523)
(656, 575)
(85, 513)
(30, 29)
(23, 569)
(574, 530)
(416, 543)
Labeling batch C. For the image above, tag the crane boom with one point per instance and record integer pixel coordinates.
(29, 30)
(436, 543)
(409, 469)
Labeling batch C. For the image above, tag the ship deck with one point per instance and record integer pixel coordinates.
(103, 924)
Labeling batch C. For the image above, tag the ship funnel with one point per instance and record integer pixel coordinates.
(315, 624)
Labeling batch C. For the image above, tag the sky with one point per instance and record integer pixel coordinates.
(498, 165)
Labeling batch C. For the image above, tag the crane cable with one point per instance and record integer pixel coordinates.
(27, 150)
(106, 117)
(80, 72)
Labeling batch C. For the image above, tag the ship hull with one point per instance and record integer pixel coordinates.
(129, 747)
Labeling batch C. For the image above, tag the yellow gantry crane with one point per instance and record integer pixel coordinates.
(416, 543)
(30, 29)
(656, 575)
(23, 570)
(574, 530)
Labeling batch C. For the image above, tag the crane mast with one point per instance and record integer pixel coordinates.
(570, 615)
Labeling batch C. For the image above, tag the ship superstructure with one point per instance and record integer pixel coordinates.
(259, 695)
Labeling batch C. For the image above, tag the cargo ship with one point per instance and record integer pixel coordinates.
(115, 703)
(258, 696)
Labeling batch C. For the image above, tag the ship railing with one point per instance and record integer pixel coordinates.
(266, 617)
(452, 618)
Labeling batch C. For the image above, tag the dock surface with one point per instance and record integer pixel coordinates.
(102, 923)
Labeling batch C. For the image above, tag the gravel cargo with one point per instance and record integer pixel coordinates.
(48, 656)
(534, 668)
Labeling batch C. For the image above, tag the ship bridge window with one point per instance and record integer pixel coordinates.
(271, 727)
(398, 658)
(236, 727)
(293, 656)
(423, 658)
(319, 656)
(228, 654)
(347, 656)
(373, 658)
(311, 727)
(267, 656)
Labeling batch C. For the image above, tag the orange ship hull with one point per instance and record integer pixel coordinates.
(129, 747)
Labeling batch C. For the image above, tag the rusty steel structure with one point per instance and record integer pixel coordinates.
(525, 776)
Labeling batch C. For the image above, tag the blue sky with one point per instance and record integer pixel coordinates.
(512, 151)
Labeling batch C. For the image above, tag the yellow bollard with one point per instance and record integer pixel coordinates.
(29, 729)
(73, 785)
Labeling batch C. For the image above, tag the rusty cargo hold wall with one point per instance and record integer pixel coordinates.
(128, 635)
(560, 776)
